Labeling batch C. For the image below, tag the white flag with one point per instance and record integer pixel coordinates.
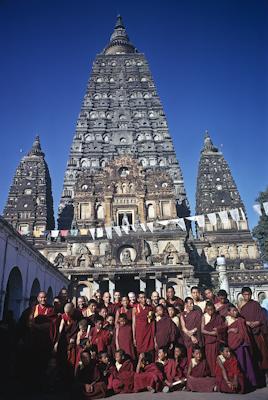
(212, 218)
(117, 230)
(92, 232)
(194, 218)
(143, 227)
(200, 219)
(265, 206)
(181, 223)
(150, 226)
(242, 213)
(55, 233)
(125, 228)
(235, 214)
(223, 216)
(134, 228)
(108, 230)
(257, 208)
(99, 232)
(164, 222)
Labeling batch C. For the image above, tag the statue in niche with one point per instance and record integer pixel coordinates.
(84, 258)
(170, 255)
(126, 256)
(125, 221)
(59, 261)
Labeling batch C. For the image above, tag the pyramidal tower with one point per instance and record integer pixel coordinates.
(121, 115)
(217, 192)
(29, 207)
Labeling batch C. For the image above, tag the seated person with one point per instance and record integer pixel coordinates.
(198, 379)
(121, 375)
(169, 368)
(148, 376)
(181, 362)
(228, 376)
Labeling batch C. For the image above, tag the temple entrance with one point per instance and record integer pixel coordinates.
(126, 284)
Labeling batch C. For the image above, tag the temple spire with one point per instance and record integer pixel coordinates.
(208, 144)
(119, 40)
(36, 147)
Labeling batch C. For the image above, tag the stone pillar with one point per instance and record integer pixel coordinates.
(158, 286)
(157, 208)
(107, 210)
(96, 286)
(111, 288)
(223, 277)
(141, 211)
(142, 285)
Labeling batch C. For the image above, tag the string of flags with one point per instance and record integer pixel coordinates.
(236, 215)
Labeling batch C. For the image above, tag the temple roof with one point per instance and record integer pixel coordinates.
(36, 148)
(119, 40)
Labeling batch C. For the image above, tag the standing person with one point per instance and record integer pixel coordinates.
(228, 376)
(99, 336)
(42, 308)
(165, 329)
(64, 298)
(191, 326)
(155, 299)
(117, 301)
(256, 320)
(91, 312)
(210, 296)
(197, 298)
(106, 298)
(212, 328)
(239, 342)
(124, 309)
(173, 300)
(132, 299)
(143, 325)
(198, 378)
(82, 305)
(172, 312)
(97, 296)
(124, 336)
(222, 304)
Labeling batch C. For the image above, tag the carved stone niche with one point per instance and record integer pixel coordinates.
(127, 255)
(170, 255)
(59, 260)
(84, 257)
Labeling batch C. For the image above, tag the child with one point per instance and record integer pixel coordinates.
(198, 379)
(169, 368)
(121, 376)
(104, 366)
(99, 336)
(124, 336)
(239, 342)
(81, 339)
(228, 377)
(181, 362)
(172, 312)
(148, 376)
(165, 329)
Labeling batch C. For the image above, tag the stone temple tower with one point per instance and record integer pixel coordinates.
(29, 207)
(121, 115)
(217, 192)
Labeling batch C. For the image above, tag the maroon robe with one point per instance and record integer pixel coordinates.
(89, 384)
(165, 332)
(150, 377)
(125, 340)
(192, 320)
(170, 370)
(212, 343)
(232, 370)
(181, 368)
(176, 302)
(252, 311)
(100, 338)
(122, 380)
(199, 379)
(222, 309)
(42, 310)
(144, 329)
(128, 312)
(67, 341)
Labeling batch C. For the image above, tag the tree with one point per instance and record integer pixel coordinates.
(260, 232)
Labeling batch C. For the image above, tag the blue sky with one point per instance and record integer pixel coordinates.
(208, 59)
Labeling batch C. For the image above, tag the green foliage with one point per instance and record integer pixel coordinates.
(260, 232)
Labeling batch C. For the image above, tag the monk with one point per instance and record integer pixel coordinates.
(124, 336)
(196, 296)
(181, 362)
(173, 314)
(81, 339)
(212, 328)
(155, 299)
(82, 305)
(121, 377)
(169, 368)
(91, 312)
(99, 336)
(165, 329)
(132, 299)
(42, 308)
(124, 309)
(106, 299)
(143, 326)
(228, 376)
(191, 326)
(256, 320)
(198, 379)
(148, 376)
(88, 383)
(173, 300)
(210, 296)
(239, 342)
(222, 304)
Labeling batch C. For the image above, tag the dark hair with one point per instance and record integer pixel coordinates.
(171, 287)
(164, 349)
(141, 293)
(102, 353)
(182, 349)
(223, 346)
(99, 318)
(208, 288)
(222, 293)
(195, 288)
(121, 352)
(110, 315)
(161, 306)
(210, 304)
(187, 299)
(92, 301)
(83, 322)
(148, 357)
(93, 348)
(230, 305)
(246, 289)
(103, 308)
(123, 315)
(196, 347)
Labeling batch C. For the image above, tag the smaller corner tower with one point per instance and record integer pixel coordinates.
(29, 207)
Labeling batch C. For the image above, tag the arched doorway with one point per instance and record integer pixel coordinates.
(50, 295)
(13, 297)
(34, 291)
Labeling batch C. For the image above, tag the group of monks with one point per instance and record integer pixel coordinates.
(97, 347)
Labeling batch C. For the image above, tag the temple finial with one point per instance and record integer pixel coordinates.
(36, 147)
(208, 144)
(119, 40)
(119, 22)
